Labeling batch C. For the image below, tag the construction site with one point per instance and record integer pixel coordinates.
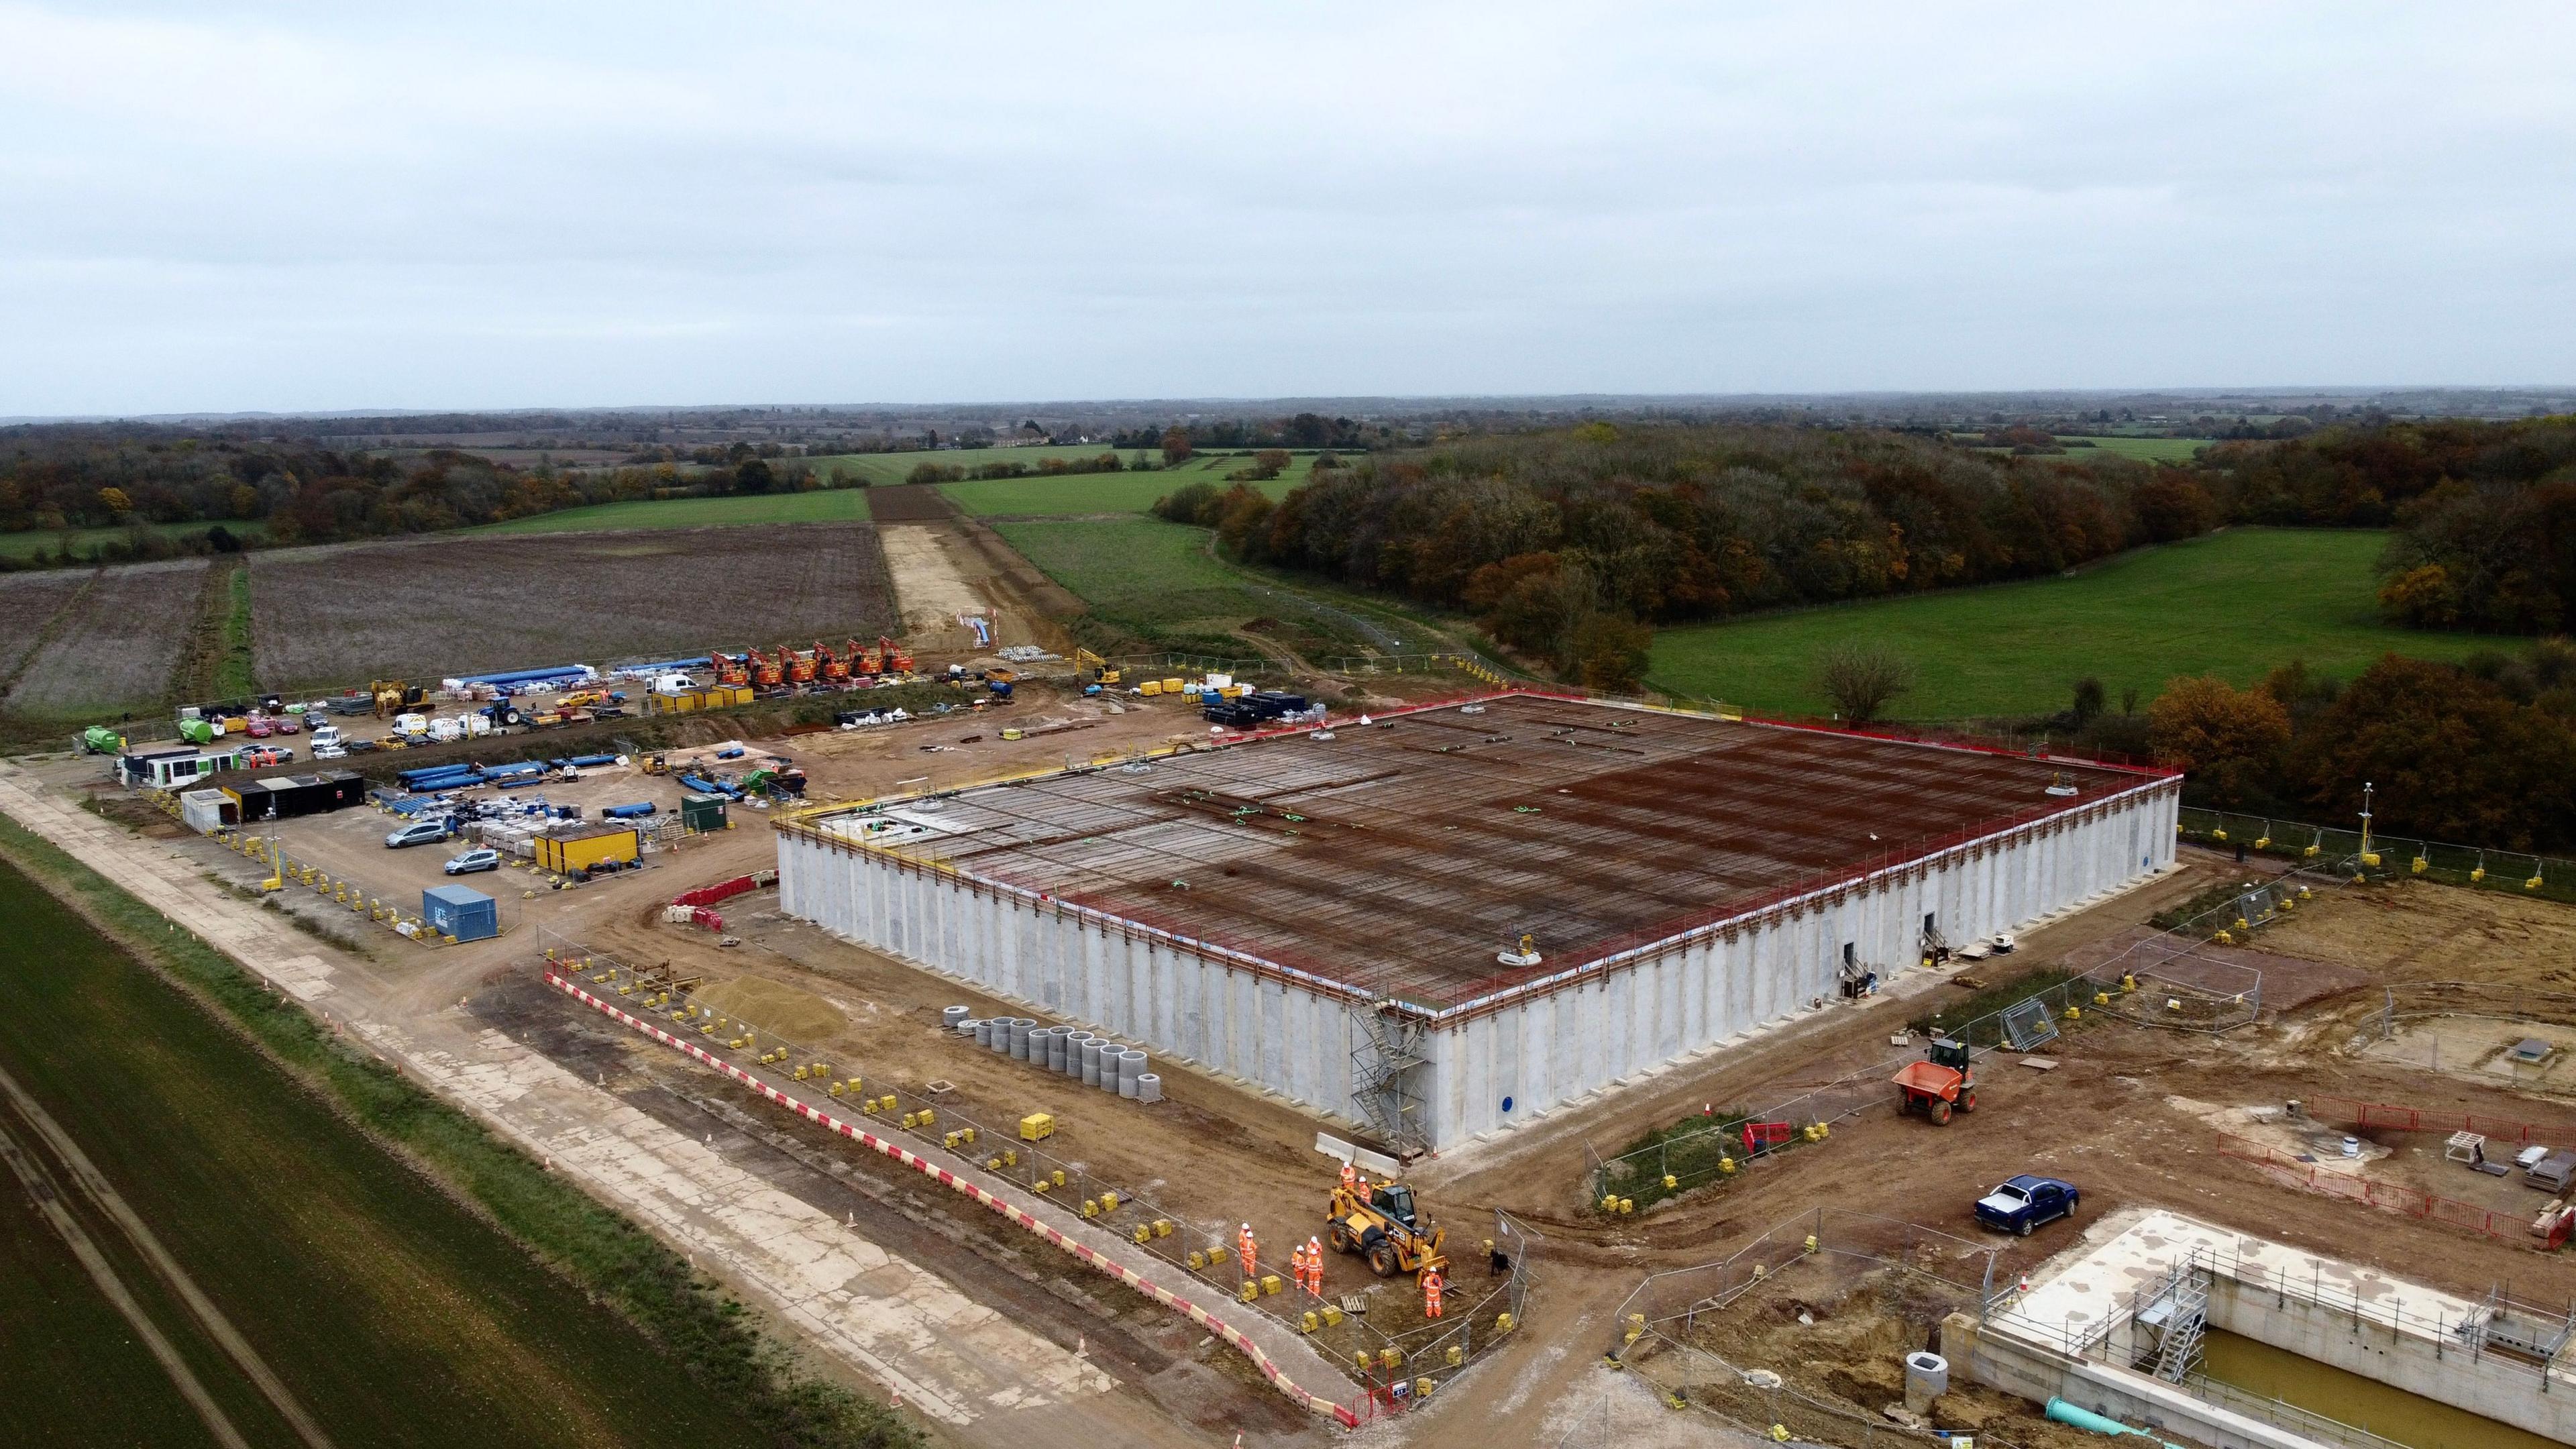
(979, 1063)
(1443, 922)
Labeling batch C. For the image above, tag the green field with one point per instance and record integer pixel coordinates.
(1090, 493)
(828, 505)
(2154, 450)
(392, 1312)
(1156, 580)
(2235, 604)
(50, 541)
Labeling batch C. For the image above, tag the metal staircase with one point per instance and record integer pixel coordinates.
(1382, 1069)
(2177, 1313)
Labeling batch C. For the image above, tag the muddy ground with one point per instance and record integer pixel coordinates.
(2131, 1112)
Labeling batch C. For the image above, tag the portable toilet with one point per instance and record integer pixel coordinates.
(452, 910)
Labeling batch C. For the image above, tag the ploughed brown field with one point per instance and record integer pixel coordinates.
(107, 643)
(439, 607)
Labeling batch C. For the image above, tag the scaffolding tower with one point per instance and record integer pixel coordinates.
(1382, 1068)
(2175, 1318)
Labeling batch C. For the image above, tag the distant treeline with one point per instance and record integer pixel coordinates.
(1016, 468)
(299, 493)
(1303, 430)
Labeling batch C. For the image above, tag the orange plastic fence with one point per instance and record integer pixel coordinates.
(2386, 1196)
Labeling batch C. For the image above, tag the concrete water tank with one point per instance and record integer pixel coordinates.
(1091, 1063)
(1046, 1048)
(1021, 1026)
(1927, 1377)
(1071, 1065)
(984, 1032)
(1130, 1062)
(1149, 1087)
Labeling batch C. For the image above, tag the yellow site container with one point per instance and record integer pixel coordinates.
(727, 694)
(1171, 686)
(564, 854)
(1150, 688)
(1037, 1127)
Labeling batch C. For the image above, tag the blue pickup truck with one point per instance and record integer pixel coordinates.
(2025, 1202)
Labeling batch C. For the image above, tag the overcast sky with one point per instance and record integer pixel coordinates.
(211, 206)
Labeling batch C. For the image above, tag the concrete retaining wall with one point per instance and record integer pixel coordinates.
(2406, 1358)
(1496, 1063)
(2039, 1374)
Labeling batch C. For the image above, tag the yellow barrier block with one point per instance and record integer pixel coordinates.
(1457, 1355)
(1162, 1227)
(926, 1118)
(1248, 1292)
(1143, 1233)
(1389, 1357)
(1091, 1207)
(1332, 1315)
(1270, 1283)
(1109, 1202)
(1196, 1260)
(1308, 1323)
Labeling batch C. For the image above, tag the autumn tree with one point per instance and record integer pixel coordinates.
(1863, 677)
(2451, 757)
(2228, 740)
(1176, 446)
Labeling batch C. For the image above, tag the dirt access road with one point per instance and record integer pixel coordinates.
(945, 564)
(979, 1365)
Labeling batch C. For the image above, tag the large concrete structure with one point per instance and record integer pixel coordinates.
(1340, 916)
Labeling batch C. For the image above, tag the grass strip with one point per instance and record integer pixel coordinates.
(1991, 999)
(706, 1329)
(234, 677)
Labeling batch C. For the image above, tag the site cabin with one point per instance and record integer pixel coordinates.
(467, 915)
(283, 797)
(587, 849)
(170, 769)
(209, 811)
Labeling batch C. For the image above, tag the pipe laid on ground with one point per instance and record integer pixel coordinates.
(2076, 1416)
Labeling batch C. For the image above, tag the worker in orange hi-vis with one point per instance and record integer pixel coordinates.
(1243, 1248)
(1297, 1264)
(1350, 1176)
(1315, 1266)
(1431, 1293)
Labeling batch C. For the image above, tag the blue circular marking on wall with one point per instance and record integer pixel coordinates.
(1507, 1104)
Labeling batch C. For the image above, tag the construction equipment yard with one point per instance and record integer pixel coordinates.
(993, 1302)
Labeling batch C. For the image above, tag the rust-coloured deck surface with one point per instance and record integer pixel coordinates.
(1400, 858)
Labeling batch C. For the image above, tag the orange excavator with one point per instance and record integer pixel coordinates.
(729, 670)
(800, 664)
(766, 671)
(835, 667)
(871, 661)
(898, 660)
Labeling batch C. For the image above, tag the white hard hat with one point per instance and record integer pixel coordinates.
(1247, 1227)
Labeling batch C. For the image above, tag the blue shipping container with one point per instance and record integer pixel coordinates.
(455, 911)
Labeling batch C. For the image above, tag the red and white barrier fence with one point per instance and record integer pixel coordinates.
(1225, 1333)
